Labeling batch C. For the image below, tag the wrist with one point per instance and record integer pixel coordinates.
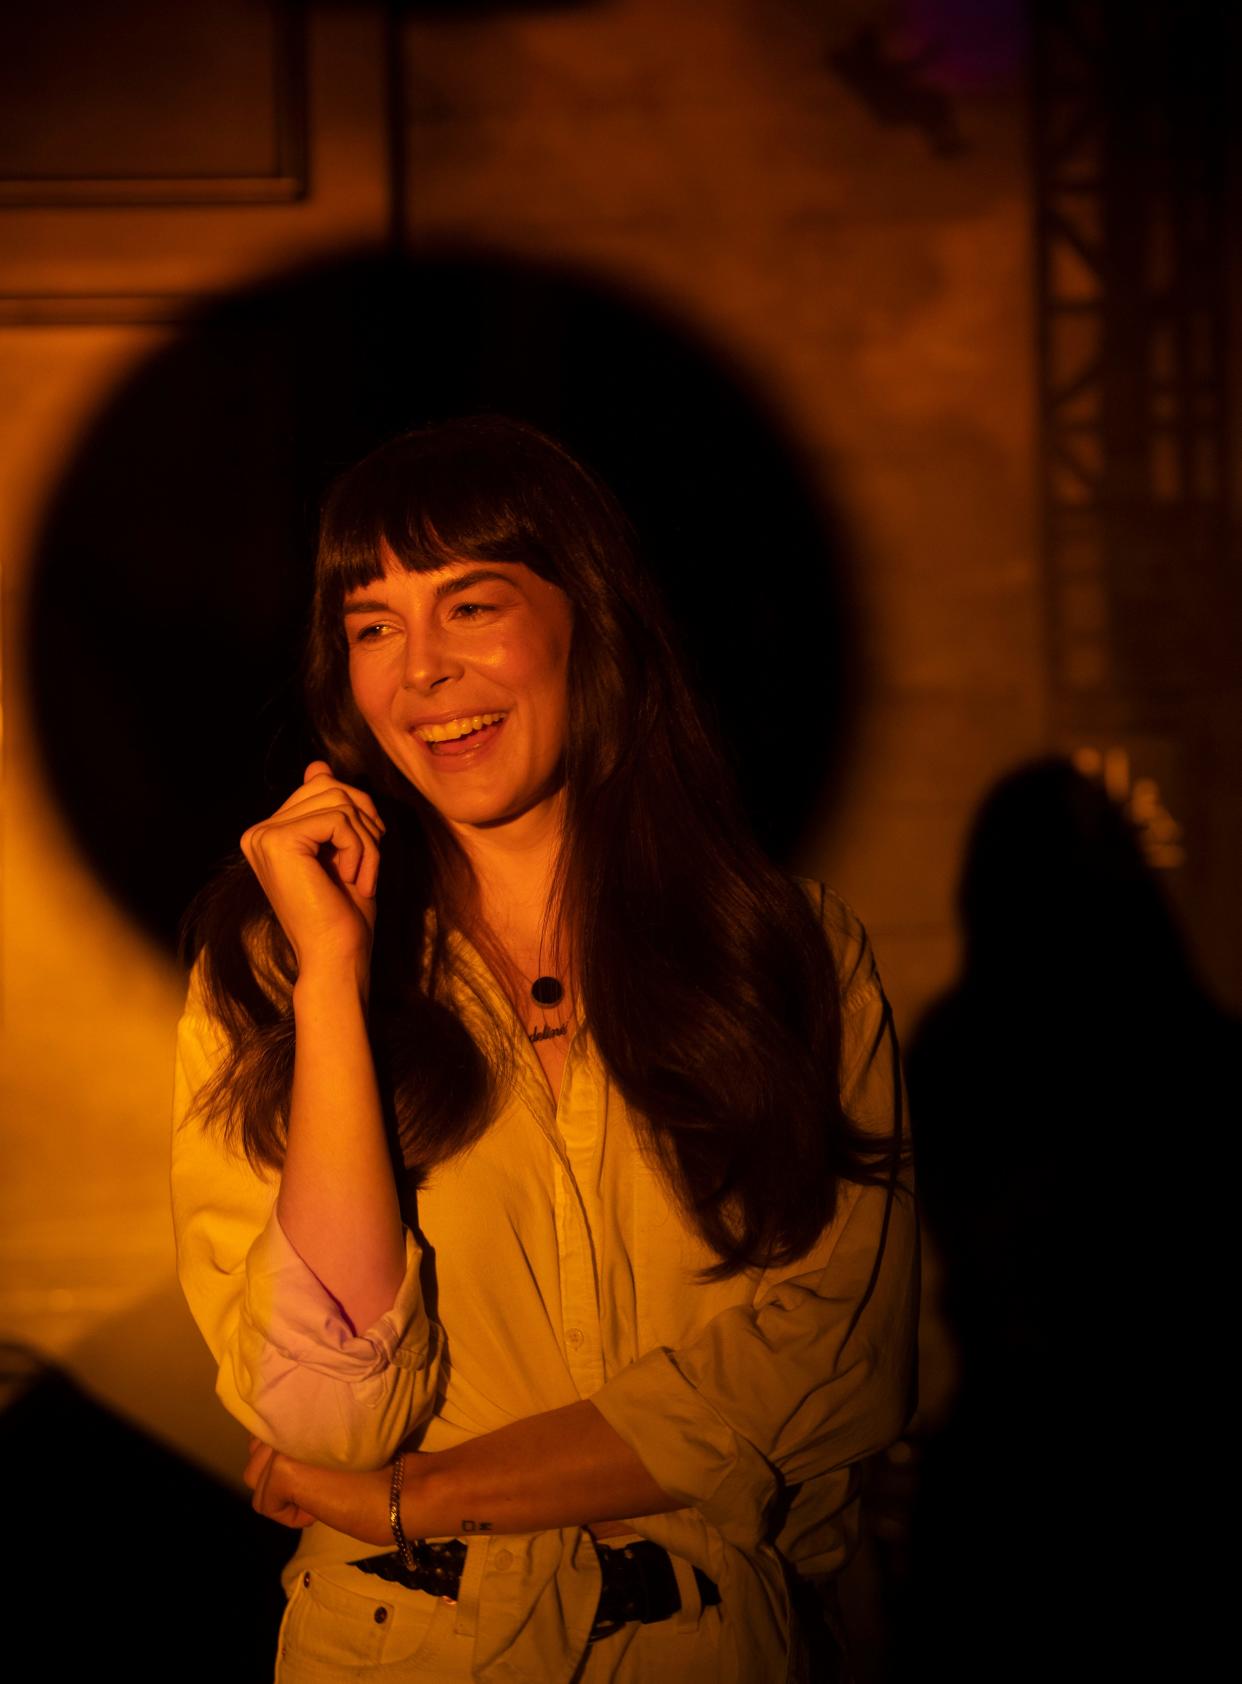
(430, 1506)
(353, 1503)
(332, 984)
(395, 1525)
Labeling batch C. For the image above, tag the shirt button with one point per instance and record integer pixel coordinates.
(503, 1559)
(306, 1578)
(574, 1335)
(381, 1614)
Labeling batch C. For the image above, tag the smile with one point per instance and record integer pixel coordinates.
(460, 742)
(452, 729)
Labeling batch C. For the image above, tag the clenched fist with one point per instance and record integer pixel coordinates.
(317, 858)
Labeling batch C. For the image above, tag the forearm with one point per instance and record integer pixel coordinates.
(338, 1200)
(563, 1468)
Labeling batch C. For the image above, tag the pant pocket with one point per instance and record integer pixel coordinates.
(332, 1633)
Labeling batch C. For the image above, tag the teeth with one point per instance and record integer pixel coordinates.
(454, 728)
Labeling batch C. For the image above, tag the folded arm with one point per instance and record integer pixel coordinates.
(817, 1373)
(293, 1367)
(564, 1468)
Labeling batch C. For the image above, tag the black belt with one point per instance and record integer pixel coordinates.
(638, 1579)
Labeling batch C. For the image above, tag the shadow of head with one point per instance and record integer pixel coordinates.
(172, 576)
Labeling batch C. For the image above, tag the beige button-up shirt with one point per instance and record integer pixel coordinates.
(549, 1265)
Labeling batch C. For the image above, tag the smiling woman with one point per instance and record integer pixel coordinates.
(460, 674)
(539, 1167)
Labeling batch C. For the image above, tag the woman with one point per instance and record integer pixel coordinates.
(536, 1173)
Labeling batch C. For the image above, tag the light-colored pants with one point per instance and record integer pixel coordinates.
(338, 1628)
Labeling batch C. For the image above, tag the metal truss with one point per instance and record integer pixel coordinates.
(1128, 119)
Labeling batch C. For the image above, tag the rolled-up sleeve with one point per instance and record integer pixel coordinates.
(290, 1366)
(818, 1371)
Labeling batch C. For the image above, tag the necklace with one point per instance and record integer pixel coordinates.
(546, 991)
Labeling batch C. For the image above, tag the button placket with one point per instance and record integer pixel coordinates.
(578, 1125)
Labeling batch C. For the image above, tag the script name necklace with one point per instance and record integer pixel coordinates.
(547, 991)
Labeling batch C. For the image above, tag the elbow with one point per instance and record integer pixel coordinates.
(333, 1418)
(866, 1412)
(352, 1442)
(886, 1403)
(348, 1447)
(889, 1420)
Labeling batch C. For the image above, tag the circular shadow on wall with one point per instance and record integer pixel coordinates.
(173, 570)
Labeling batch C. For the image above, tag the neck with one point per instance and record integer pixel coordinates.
(514, 864)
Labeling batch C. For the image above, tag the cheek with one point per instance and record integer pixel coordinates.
(558, 663)
(531, 666)
(556, 713)
(368, 690)
(554, 653)
(547, 676)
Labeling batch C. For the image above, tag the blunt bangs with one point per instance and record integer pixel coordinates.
(468, 491)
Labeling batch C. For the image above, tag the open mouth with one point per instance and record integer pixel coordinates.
(459, 736)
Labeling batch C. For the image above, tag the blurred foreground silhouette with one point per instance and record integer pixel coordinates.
(131, 1559)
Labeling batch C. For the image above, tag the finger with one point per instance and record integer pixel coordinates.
(374, 827)
(367, 881)
(321, 790)
(256, 1469)
(320, 774)
(289, 1515)
(347, 839)
(356, 857)
(270, 1501)
(338, 828)
(329, 798)
(261, 1500)
(366, 876)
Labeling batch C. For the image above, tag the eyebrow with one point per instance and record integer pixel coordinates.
(448, 587)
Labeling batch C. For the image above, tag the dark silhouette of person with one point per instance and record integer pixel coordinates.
(1069, 1124)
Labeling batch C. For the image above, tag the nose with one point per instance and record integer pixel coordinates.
(429, 662)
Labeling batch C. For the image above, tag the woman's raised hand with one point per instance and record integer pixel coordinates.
(317, 858)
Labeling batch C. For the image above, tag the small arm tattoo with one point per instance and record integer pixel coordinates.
(476, 1526)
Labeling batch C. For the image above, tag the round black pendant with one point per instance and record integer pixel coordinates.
(546, 991)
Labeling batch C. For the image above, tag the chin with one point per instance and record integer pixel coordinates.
(478, 808)
(486, 812)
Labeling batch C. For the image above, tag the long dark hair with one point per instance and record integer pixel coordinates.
(702, 970)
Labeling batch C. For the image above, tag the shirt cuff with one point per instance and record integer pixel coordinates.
(688, 1449)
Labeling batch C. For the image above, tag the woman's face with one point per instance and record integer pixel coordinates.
(461, 676)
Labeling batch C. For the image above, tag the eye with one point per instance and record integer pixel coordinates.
(471, 610)
(372, 633)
